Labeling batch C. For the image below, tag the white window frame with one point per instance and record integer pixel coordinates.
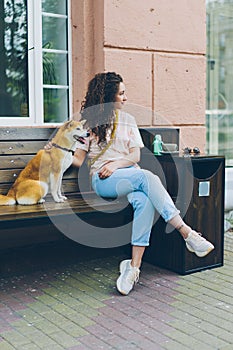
(35, 69)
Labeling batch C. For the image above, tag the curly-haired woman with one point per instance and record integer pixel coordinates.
(114, 152)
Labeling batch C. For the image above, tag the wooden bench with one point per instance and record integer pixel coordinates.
(23, 225)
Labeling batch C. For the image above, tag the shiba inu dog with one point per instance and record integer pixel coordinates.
(46, 168)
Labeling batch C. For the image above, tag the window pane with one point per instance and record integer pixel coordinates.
(56, 109)
(219, 116)
(55, 69)
(54, 33)
(54, 6)
(13, 59)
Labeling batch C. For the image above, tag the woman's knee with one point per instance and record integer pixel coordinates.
(140, 200)
(150, 176)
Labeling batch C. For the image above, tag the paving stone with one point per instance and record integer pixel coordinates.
(15, 338)
(82, 297)
(6, 346)
(30, 316)
(55, 317)
(38, 307)
(63, 309)
(86, 310)
(47, 300)
(174, 345)
(184, 316)
(73, 329)
(46, 326)
(226, 336)
(94, 343)
(79, 347)
(183, 326)
(187, 341)
(31, 346)
(64, 339)
(67, 297)
(40, 338)
(24, 327)
(209, 339)
(80, 319)
(54, 346)
(228, 347)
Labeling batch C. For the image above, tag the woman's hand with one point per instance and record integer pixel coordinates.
(108, 169)
(112, 165)
(48, 146)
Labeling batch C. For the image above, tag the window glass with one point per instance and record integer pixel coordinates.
(34, 61)
(54, 33)
(54, 6)
(219, 114)
(55, 61)
(13, 59)
(55, 69)
(55, 105)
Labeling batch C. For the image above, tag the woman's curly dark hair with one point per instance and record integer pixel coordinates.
(98, 105)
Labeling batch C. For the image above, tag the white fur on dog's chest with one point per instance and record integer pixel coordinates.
(67, 161)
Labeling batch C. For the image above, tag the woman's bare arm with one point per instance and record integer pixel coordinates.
(79, 157)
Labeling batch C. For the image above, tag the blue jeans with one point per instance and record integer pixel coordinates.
(145, 193)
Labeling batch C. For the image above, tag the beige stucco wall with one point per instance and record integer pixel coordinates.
(159, 49)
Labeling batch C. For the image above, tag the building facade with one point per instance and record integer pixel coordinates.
(51, 48)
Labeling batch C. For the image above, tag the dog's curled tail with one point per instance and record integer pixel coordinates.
(8, 199)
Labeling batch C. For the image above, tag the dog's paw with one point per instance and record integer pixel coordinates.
(42, 200)
(59, 200)
(63, 197)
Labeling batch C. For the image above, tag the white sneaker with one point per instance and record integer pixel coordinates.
(198, 244)
(129, 275)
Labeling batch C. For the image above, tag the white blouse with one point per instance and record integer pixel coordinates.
(127, 136)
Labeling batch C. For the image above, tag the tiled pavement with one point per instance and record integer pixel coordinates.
(65, 303)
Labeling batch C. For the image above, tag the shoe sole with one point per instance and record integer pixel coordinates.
(121, 268)
(119, 288)
(199, 254)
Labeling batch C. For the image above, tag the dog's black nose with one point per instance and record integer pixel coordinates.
(88, 134)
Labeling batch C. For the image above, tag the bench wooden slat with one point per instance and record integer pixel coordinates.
(11, 174)
(20, 161)
(68, 186)
(28, 133)
(72, 185)
(21, 147)
(14, 161)
(4, 187)
(76, 204)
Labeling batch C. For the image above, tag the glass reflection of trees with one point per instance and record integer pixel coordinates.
(13, 58)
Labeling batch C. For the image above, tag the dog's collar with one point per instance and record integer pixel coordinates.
(63, 148)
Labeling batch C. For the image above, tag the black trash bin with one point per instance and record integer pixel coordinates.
(196, 184)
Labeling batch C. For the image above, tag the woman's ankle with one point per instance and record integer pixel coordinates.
(180, 226)
(136, 263)
(137, 255)
(185, 230)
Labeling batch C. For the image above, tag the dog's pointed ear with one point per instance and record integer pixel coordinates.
(83, 121)
(66, 125)
(70, 123)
